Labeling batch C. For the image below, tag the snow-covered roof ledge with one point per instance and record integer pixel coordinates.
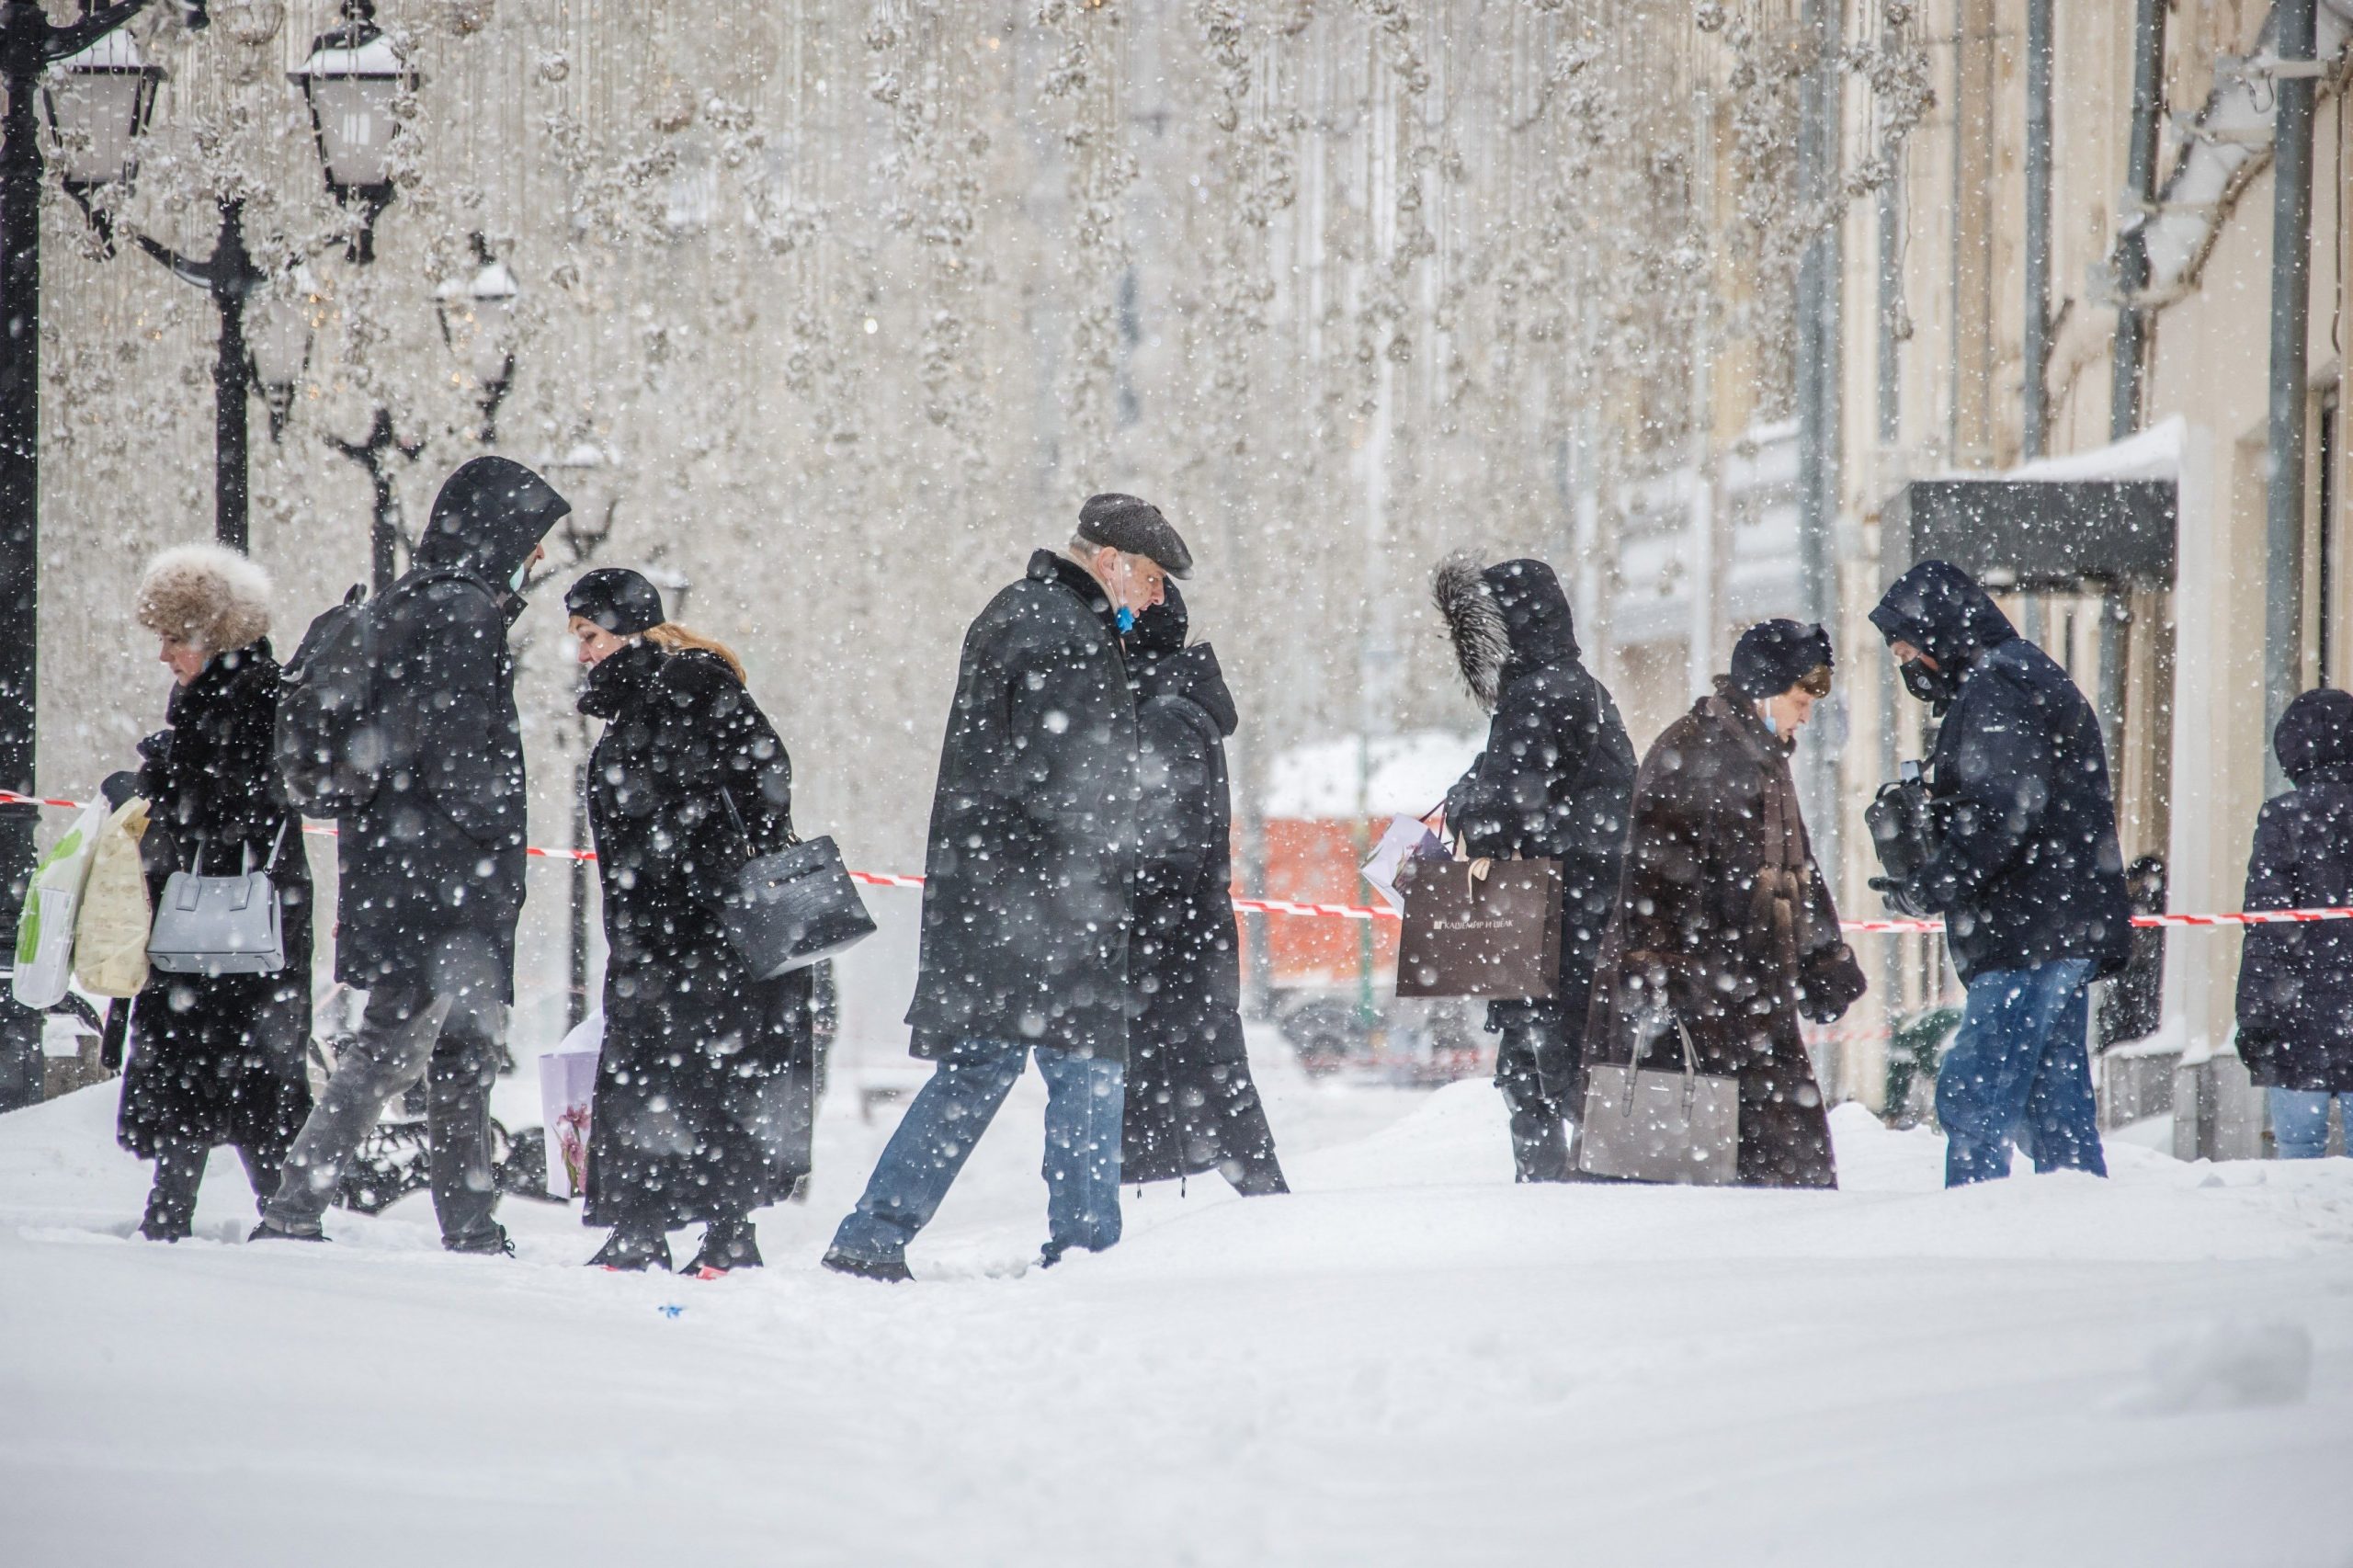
(2154, 454)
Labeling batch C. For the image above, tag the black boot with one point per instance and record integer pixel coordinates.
(726, 1244)
(170, 1206)
(631, 1251)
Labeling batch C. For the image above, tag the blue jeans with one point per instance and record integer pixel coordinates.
(2300, 1122)
(2019, 1070)
(1085, 1097)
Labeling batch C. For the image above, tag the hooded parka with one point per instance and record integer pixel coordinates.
(1192, 1105)
(703, 1091)
(2295, 998)
(1724, 908)
(438, 854)
(2027, 871)
(1556, 773)
(1030, 867)
(219, 1059)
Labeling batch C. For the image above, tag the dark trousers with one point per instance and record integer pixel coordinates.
(1532, 1057)
(179, 1171)
(448, 1026)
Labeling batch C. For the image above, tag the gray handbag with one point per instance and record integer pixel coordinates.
(1643, 1125)
(214, 925)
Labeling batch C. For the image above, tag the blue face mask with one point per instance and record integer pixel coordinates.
(1126, 618)
(1770, 727)
(515, 582)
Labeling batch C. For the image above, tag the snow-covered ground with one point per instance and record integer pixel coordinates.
(1409, 1361)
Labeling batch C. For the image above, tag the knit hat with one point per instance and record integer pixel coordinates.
(619, 600)
(1136, 526)
(1777, 654)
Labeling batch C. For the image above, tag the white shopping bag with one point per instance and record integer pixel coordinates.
(1407, 838)
(45, 931)
(567, 1091)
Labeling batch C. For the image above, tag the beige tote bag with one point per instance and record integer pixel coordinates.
(110, 931)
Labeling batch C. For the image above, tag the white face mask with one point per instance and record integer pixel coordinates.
(515, 582)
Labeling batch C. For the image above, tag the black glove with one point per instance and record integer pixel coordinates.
(1829, 982)
(1902, 898)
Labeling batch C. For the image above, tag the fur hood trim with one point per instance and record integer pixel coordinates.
(1475, 622)
(205, 594)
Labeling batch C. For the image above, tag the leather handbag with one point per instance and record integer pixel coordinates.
(1495, 937)
(1643, 1125)
(215, 925)
(792, 908)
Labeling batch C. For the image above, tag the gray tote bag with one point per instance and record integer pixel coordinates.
(215, 925)
(1645, 1125)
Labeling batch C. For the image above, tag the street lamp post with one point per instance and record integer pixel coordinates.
(30, 42)
(373, 454)
(350, 80)
(229, 275)
(98, 101)
(478, 324)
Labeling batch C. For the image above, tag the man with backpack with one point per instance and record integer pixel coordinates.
(398, 720)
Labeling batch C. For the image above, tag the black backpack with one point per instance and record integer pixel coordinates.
(336, 742)
(332, 744)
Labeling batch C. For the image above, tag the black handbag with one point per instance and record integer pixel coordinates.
(793, 908)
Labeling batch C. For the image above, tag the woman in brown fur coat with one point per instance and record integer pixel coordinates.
(1724, 910)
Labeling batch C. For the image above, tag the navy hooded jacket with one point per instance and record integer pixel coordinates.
(2027, 871)
(2296, 982)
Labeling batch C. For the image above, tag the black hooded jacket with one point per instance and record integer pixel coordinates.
(2296, 982)
(1186, 1065)
(439, 851)
(1557, 777)
(2027, 871)
(1030, 867)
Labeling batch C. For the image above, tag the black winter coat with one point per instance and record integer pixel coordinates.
(219, 1059)
(703, 1092)
(2296, 982)
(1190, 1098)
(1557, 774)
(2027, 871)
(438, 853)
(1030, 867)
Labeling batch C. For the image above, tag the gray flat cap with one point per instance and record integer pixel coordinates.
(1136, 526)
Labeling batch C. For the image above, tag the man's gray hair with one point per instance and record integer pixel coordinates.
(1082, 549)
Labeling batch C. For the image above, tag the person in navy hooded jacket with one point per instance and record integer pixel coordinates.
(2027, 874)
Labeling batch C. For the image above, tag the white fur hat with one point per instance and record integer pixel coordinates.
(205, 594)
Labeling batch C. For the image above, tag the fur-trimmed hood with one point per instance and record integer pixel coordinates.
(1501, 618)
(206, 595)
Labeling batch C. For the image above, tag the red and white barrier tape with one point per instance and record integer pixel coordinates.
(1382, 912)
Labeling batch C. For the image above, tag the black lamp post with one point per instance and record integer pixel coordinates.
(374, 454)
(97, 102)
(229, 275)
(350, 80)
(30, 43)
(478, 323)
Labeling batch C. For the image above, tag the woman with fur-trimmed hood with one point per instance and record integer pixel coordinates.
(1552, 784)
(216, 1059)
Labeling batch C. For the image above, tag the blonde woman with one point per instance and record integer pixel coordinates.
(702, 1102)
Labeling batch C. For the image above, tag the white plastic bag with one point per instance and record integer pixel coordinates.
(1407, 836)
(567, 1093)
(45, 931)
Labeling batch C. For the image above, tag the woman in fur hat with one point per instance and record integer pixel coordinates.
(216, 1059)
(1724, 916)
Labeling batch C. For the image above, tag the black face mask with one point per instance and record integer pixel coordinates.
(1935, 687)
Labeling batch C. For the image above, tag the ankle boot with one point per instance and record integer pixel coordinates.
(726, 1244)
(631, 1251)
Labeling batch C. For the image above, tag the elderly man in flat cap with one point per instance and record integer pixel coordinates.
(1028, 890)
